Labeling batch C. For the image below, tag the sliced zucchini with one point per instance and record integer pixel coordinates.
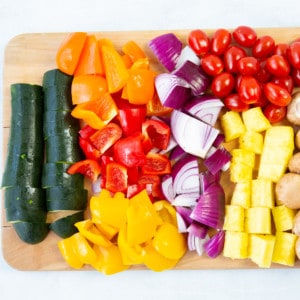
(56, 77)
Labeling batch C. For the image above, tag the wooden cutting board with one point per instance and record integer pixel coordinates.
(27, 58)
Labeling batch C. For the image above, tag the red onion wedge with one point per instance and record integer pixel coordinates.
(167, 48)
(172, 90)
(185, 174)
(218, 160)
(187, 54)
(186, 199)
(210, 208)
(214, 246)
(167, 188)
(194, 76)
(198, 230)
(205, 108)
(207, 178)
(192, 135)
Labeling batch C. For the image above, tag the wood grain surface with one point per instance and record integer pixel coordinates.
(27, 58)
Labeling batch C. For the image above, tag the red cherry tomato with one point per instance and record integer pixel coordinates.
(275, 113)
(293, 54)
(263, 74)
(277, 94)
(223, 84)
(285, 82)
(199, 42)
(233, 102)
(245, 36)
(263, 101)
(212, 64)
(296, 77)
(231, 56)
(249, 90)
(281, 49)
(220, 41)
(263, 47)
(278, 66)
(248, 65)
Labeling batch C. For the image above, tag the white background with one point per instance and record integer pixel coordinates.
(27, 16)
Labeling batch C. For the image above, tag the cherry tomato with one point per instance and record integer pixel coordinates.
(249, 90)
(231, 56)
(285, 82)
(199, 42)
(278, 66)
(263, 101)
(277, 94)
(263, 47)
(212, 64)
(220, 41)
(281, 49)
(293, 54)
(275, 113)
(248, 65)
(223, 84)
(245, 36)
(296, 76)
(233, 102)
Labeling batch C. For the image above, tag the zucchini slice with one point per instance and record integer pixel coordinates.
(31, 232)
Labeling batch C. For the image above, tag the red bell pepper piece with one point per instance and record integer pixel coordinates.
(86, 131)
(88, 149)
(88, 167)
(104, 161)
(157, 164)
(116, 177)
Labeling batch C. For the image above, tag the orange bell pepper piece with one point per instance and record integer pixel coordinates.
(155, 108)
(87, 88)
(97, 113)
(115, 69)
(132, 49)
(69, 52)
(90, 61)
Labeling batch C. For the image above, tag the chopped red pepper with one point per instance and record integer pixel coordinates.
(88, 167)
(88, 149)
(157, 164)
(104, 161)
(86, 131)
(116, 177)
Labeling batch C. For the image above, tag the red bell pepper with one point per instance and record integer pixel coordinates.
(104, 161)
(157, 164)
(88, 149)
(116, 177)
(88, 167)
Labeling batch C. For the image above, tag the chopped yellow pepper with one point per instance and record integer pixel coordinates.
(65, 247)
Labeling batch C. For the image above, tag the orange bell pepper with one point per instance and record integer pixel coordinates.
(90, 62)
(97, 113)
(155, 108)
(133, 50)
(86, 88)
(69, 52)
(115, 69)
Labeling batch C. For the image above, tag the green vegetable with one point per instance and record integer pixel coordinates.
(31, 232)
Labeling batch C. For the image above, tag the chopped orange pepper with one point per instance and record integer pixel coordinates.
(97, 113)
(87, 88)
(155, 108)
(141, 63)
(115, 69)
(69, 52)
(89, 61)
(133, 50)
(127, 61)
(109, 260)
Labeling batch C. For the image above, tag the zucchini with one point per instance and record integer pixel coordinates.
(57, 98)
(56, 77)
(66, 198)
(31, 232)
(64, 227)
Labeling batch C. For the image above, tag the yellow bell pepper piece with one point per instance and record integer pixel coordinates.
(65, 247)
(165, 211)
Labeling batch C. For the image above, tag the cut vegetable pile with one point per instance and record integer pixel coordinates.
(126, 163)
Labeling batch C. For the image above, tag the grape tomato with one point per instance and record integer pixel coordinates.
(245, 36)
(220, 41)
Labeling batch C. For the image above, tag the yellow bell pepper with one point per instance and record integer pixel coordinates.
(92, 233)
(65, 247)
(166, 212)
(109, 260)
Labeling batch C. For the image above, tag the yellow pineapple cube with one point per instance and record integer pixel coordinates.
(243, 156)
(232, 125)
(261, 249)
(255, 120)
(258, 220)
(283, 217)
(271, 172)
(240, 172)
(234, 218)
(251, 141)
(269, 155)
(241, 194)
(262, 193)
(280, 136)
(236, 245)
(284, 249)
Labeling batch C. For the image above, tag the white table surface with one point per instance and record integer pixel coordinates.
(28, 16)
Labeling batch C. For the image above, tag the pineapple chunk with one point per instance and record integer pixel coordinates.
(240, 172)
(232, 125)
(280, 136)
(255, 120)
(234, 218)
(258, 220)
(284, 249)
(270, 155)
(241, 194)
(251, 141)
(261, 249)
(243, 156)
(236, 245)
(271, 172)
(262, 193)
(283, 217)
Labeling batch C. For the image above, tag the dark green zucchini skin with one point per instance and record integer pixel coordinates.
(31, 232)
(64, 227)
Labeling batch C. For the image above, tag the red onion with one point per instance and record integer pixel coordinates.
(198, 230)
(207, 178)
(186, 199)
(167, 48)
(185, 213)
(217, 160)
(177, 153)
(167, 188)
(187, 53)
(214, 246)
